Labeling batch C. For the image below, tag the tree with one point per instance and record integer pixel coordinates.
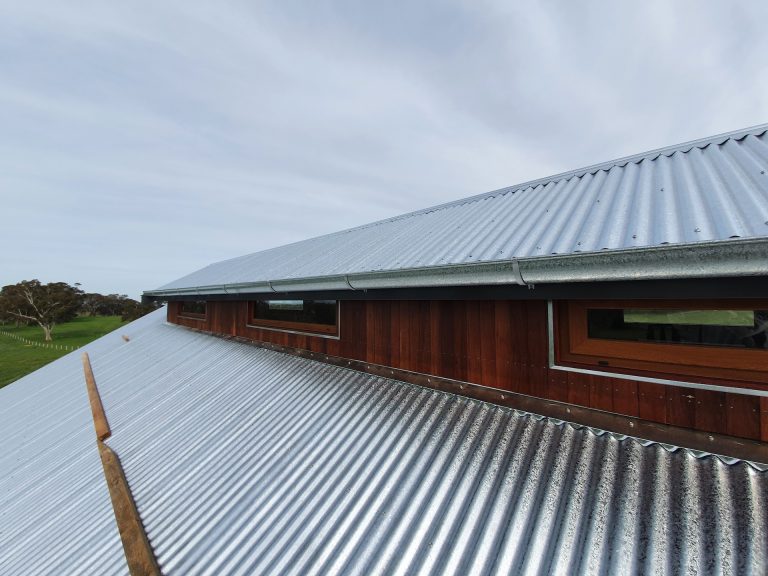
(44, 304)
(95, 304)
(115, 304)
(91, 303)
(134, 310)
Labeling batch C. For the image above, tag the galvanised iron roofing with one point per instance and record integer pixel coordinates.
(248, 461)
(692, 210)
(55, 511)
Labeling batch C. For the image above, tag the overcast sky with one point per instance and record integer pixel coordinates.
(140, 141)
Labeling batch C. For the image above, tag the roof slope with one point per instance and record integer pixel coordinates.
(55, 511)
(243, 460)
(702, 194)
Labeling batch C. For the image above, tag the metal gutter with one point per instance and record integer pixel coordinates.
(732, 258)
(747, 257)
(477, 274)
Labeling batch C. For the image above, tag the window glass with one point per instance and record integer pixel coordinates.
(732, 328)
(300, 311)
(193, 307)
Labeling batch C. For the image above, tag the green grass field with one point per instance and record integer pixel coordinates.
(18, 358)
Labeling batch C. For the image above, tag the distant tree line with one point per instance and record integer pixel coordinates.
(32, 302)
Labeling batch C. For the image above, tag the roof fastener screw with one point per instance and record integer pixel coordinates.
(662, 189)
(697, 230)
(634, 235)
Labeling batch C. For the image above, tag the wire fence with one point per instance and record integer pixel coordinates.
(48, 345)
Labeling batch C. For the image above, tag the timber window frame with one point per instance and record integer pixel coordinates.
(194, 309)
(256, 319)
(574, 347)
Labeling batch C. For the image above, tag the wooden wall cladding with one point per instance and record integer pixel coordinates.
(502, 344)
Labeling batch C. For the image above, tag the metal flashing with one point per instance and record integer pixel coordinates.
(723, 446)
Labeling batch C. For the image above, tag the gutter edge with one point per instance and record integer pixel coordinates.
(730, 258)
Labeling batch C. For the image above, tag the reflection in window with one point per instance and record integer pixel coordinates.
(300, 312)
(732, 328)
(193, 308)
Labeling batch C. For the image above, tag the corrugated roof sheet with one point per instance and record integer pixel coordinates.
(55, 512)
(248, 461)
(711, 190)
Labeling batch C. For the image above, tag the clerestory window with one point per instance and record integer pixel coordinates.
(313, 316)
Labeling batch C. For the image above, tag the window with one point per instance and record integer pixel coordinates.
(316, 316)
(192, 309)
(719, 339)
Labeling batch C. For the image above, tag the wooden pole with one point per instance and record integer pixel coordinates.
(138, 551)
(97, 408)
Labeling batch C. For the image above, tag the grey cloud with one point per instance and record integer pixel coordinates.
(141, 141)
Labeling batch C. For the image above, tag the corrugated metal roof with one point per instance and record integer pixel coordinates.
(248, 461)
(55, 511)
(706, 192)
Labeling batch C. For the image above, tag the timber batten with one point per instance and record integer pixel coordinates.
(138, 551)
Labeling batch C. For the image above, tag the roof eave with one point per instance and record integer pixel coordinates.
(732, 258)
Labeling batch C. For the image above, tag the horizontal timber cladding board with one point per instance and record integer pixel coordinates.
(502, 344)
